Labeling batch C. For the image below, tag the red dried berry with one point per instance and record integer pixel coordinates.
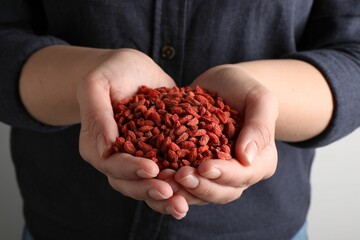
(176, 127)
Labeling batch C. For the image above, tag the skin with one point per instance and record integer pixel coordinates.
(62, 85)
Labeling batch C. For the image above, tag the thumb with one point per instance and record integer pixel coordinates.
(98, 126)
(261, 112)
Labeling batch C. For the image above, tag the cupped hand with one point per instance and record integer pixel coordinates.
(222, 181)
(118, 76)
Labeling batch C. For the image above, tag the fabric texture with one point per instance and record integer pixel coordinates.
(66, 198)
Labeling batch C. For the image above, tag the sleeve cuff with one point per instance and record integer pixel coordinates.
(342, 72)
(16, 48)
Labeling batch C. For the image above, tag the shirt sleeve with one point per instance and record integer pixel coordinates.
(331, 42)
(18, 40)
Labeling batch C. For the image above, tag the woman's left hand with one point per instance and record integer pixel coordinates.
(222, 181)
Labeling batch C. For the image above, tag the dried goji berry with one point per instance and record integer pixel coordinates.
(129, 147)
(176, 127)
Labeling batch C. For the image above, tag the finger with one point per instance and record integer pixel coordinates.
(146, 189)
(261, 111)
(232, 173)
(98, 126)
(99, 130)
(126, 166)
(206, 189)
(226, 172)
(168, 175)
(175, 206)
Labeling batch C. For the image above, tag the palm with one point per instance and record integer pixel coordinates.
(128, 70)
(255, 148)
(118, 77)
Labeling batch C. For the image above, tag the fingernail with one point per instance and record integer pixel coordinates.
(212, 173)
(190, 181)
(170, 210)
(144, 174)
(251, 150)
(155, 194)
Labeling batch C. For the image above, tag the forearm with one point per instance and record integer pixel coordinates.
(305, 99)
(49, 79)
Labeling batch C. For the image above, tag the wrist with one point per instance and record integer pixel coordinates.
(305, 99)
(49, 78)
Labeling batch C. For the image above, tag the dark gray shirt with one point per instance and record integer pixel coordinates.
(65, 198)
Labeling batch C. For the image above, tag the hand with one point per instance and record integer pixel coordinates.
(119, 76)
(178, 204)
(222, 181)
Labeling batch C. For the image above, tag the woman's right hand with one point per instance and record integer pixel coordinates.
(118, 76)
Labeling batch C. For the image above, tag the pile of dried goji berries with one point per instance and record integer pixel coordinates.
(176, 127)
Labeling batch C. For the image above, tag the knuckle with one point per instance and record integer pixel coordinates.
(104, 170)
(271, 172)
(204, 193)
(113, 183)
(90, 122)
(233, 195)
(83, 153)
(252, 180)
(263, 135)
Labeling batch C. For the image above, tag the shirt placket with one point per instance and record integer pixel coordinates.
(169, 36)
(168, 53)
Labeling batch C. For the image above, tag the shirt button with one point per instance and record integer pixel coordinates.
(168, 52)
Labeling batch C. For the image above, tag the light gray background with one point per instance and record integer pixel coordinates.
(334, 213)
